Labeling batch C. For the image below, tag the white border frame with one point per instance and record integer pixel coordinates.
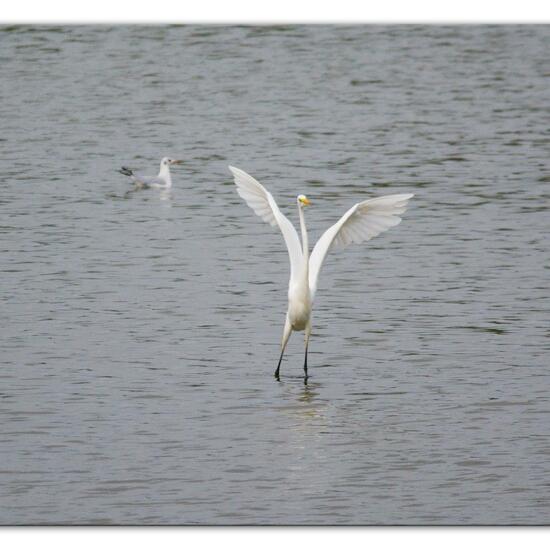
(282, 11)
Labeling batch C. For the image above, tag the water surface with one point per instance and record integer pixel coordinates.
(140, 331)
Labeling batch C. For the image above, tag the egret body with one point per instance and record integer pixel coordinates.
(360, 223)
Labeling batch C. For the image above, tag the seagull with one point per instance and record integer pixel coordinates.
(360, 223)
(162, 181)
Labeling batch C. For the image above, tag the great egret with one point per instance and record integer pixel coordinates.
(162, 181)
(360, 223)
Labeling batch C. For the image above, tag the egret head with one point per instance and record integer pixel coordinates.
(303, 200)
(167, 161)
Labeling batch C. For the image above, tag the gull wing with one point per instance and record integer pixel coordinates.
(360, 223)
(264, 205)
(148, 180)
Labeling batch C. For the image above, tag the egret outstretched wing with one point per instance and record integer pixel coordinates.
(360, 223)
(264, 205)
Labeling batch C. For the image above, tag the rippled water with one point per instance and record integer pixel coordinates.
(140, 331)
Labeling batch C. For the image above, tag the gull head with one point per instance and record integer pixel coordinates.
(303, 200)
(167, 161)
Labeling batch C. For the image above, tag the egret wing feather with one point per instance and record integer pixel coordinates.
(360, 223)
(264, 205)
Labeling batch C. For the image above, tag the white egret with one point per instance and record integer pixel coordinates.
(162, 181)
(360, 223)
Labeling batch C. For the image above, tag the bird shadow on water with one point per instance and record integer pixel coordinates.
(130, 193)
(165, 196)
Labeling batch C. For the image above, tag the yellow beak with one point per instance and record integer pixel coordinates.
(305, 201)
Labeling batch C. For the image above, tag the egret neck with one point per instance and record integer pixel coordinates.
(305, 244)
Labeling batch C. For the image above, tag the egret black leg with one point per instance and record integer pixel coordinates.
(286, 336)
(308, 333)
(305, 368)
(279, 364)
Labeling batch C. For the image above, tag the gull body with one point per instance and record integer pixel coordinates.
(161, 181)
(360, 223)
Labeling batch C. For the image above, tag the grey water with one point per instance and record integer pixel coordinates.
(140, 330)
